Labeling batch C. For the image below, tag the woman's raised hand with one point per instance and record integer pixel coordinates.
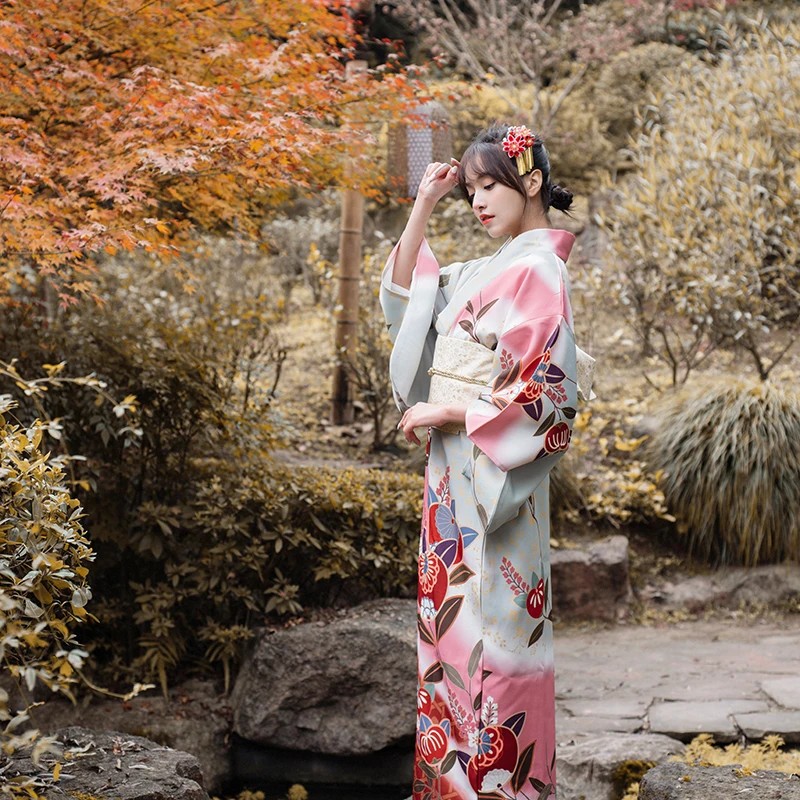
(438, 180)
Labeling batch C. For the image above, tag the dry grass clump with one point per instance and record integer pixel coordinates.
(731, 469)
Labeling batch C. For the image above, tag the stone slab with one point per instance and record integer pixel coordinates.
(784, 691)
(678, 781)
(684, 720)
(757, 725)
(744, 687)
(621, 707)
(568, 727)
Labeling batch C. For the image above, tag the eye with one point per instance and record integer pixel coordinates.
(471, 197)
(489, 185)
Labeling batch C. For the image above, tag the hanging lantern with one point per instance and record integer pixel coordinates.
(415, 144)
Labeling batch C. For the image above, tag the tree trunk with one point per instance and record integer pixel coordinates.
(346, 338)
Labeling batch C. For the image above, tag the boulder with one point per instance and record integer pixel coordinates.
(592, 582)
(346, 687)
(195, 719)
(599, 767)
(113, 764)
(678, 781)
(731, 587)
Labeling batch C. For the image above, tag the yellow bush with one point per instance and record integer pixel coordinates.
(706, 233)
(259, 541)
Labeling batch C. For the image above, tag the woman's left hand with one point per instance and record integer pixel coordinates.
(426, 415)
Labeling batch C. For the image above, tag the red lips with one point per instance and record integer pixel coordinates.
(485, 218)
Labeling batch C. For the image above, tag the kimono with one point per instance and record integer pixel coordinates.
(486, 695)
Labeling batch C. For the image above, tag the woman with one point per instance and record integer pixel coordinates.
(486, 703)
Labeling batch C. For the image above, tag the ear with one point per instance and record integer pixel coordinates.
(533, 182)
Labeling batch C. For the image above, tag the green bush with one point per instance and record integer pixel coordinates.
(261, 541)
(44, 557)
(625, 83)
(199, 535)
(203, 366)
(705, 233)
(731, 470)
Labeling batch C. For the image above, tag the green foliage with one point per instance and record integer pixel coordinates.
(369, 370)
(259, 542)
(728, 451)
(44, 555)
(203, 367)
(621, 489)
(707, 232)
(624, 84)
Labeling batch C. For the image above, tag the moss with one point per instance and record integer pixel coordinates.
(629, 772)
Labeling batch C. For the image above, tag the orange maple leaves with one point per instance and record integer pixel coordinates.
(129, 123)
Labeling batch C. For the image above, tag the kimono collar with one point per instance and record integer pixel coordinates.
(556, 240)
(485, 270)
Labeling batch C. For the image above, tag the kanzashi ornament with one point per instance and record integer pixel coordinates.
(518, 144)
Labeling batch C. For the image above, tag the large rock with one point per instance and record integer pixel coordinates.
(194, 719)
(592, 582)
(677, 781)
(599, 767)
(347, 687)
(731, 587)
(113, 764)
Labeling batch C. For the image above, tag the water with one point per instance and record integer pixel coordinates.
(385, 775)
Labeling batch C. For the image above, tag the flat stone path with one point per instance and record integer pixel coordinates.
(724, 677)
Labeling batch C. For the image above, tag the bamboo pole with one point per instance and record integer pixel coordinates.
(346, 336)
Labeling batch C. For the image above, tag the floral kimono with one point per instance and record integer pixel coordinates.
(486, 699)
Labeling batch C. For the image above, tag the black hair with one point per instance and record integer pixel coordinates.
(487, 157)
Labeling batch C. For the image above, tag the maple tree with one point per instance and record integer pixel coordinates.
(132, 123)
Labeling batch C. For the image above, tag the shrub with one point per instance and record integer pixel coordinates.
(707, 232)
(615, 486)
(731, 470)
(44, 557)
(203, 366)
(623, 85)
(259, 542)
(369, 370)
(302, 248)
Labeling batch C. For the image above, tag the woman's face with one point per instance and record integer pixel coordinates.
(500, 209)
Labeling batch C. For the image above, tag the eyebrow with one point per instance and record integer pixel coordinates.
(477, 178)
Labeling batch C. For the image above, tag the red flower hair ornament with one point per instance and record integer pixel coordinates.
(518, 144)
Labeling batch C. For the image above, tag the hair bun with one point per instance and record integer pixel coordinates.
(560, 197)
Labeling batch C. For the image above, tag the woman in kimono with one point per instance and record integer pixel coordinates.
(486, 701)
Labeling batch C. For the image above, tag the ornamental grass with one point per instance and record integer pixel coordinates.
(730, 455)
